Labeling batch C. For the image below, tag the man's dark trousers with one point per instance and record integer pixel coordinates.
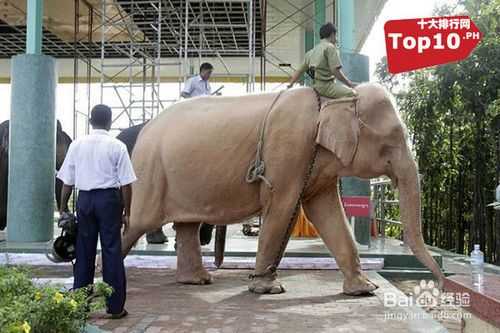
(100, 212)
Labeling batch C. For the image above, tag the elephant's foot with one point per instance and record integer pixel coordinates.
(199, 276)
(266, 283)
(359, 285)
(156, 237)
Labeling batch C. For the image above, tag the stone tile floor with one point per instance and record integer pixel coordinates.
(313, 303)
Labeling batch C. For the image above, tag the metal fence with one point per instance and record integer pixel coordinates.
(384, 198)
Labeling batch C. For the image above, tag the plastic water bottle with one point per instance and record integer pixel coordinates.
(477, 263)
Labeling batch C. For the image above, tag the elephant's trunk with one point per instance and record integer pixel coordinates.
(409, 203)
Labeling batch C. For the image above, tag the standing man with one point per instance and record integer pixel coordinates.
(323, 65)
(198, 85)
(98, 165)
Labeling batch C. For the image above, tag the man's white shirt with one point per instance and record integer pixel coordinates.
(97, 161)
(196, 86)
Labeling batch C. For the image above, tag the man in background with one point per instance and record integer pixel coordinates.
(198, 85)
(98, 165)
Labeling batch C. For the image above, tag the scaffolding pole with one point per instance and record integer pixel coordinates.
(82, 59)
(309, 16)
(198, 18)
(133, 30)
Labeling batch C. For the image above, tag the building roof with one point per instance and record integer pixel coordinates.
(223, 23)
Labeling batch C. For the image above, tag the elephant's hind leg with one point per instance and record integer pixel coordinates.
(273, 232)
(190, 268)
(326, 213)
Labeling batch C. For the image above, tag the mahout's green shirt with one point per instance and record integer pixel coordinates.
(325, 59)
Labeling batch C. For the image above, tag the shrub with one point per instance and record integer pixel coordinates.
(28, 308)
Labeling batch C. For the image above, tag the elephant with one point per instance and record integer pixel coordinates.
(63, 141)
(129, 137)
(192, 160)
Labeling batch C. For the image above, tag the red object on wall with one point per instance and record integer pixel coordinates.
(423, 42)
(357, 206)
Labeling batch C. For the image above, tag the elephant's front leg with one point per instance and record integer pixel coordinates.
(272, 233)
(190, 268)
(325, 211)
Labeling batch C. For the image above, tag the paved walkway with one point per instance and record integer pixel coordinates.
(313, 303)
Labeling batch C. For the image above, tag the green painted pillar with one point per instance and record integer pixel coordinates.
(30, 207)
(309, 44)
(356, 67)
(34, 26)
(311, 38)
(346, 22)
(319, 18)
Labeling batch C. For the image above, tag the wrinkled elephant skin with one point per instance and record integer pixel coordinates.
(191, 162)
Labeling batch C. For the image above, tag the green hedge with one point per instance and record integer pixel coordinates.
(28, 308)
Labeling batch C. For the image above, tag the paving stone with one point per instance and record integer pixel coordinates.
(313, 303)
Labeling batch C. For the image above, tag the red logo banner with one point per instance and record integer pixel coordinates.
(418, 43)
(356, 206)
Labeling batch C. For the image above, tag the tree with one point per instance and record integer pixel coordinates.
(449, 111)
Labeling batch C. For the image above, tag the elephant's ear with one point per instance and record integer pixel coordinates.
(338, 131)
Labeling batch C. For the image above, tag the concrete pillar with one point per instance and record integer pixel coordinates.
(346, 23)
(311, 38)
(34, 25)
(30, 207)
(319, 18)
(356, 67)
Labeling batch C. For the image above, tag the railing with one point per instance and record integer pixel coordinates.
(382, 197)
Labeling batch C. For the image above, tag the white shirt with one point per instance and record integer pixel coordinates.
(196, 86)
(97, 161)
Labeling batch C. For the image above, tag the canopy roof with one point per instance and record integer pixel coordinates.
(223, 22)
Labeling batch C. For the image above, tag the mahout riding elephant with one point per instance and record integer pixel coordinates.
(63, 141)
(129, 136)
(192, 161)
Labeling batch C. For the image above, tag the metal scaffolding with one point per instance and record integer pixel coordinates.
(133, 45)
(302, 16)
(82, 60)
(218, 28)
(136, 39)
(132, 32)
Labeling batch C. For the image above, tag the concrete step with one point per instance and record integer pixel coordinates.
(170, 262)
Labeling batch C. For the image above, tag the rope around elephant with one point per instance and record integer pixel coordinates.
(258, 167)
(270, 271)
